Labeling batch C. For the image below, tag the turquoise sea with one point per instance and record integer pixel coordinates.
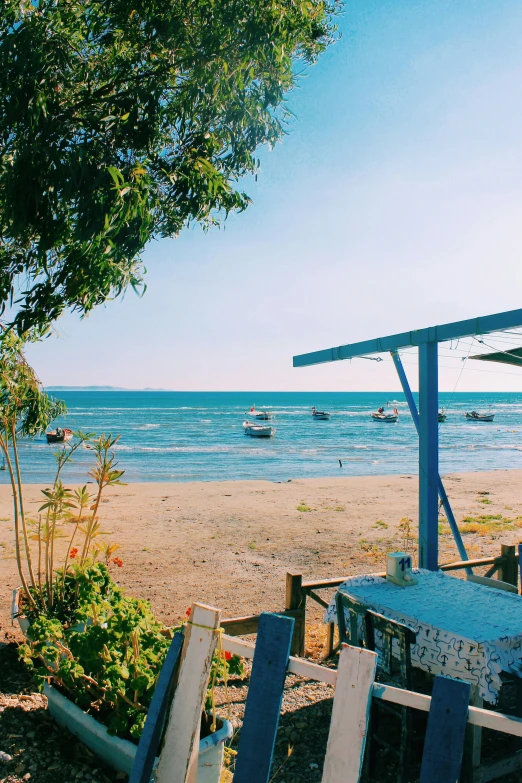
(198, 436)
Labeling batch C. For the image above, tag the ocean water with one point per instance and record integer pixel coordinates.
(198, 436)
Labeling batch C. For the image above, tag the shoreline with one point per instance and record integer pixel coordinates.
(230, 543)
(333, 477)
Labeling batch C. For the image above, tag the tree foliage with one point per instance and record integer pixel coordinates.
(124, 120)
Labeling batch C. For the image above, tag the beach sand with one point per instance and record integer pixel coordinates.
(230, 544)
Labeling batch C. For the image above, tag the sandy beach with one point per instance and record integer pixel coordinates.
(230, 543)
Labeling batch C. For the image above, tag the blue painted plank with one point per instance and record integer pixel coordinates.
(444, 743)
(152, 731)
(442, 492)
(265, 694)
(428, 456)
(483, 325)
(520, 566)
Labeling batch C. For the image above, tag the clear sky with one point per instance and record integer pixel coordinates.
(394, 203)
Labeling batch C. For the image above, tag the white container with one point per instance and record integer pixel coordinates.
(119, 753)
(116, 752)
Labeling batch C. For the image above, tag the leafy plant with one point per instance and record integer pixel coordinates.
(122, 122)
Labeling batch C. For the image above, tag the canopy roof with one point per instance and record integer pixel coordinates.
(433, 334)
(513, 356)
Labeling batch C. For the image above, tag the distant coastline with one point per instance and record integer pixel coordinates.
(101, 389)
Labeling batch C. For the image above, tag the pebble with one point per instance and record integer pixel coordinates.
(5, 758)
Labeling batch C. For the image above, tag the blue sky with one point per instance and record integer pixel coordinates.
(394, 203)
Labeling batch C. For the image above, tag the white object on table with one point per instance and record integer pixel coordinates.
(398, 569)
(463, 629)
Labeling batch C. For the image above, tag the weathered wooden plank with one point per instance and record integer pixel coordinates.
(243, 626)
(494, 770)
(296, 600)
(350, 715)
(520, 565)
(178, 759)
(303, 668)
(263, 704)
(508, 572)
(445, 734)
(151, 735)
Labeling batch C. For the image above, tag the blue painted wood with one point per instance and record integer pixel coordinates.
(265, 694)
(442, 492)
(152, 731)
(520, 566)
(428, 456)
(444, 743)
(483, 325)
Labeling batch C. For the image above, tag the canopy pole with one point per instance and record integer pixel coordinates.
(442, 492)
(428, 457)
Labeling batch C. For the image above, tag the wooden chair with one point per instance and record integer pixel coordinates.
(357, 613)
(394, 671)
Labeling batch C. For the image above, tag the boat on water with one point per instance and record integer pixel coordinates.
(476, 416)
(59, 435)
(442, 416)
(322, 415)
(386, 416)
(258, 430)
(259, 415)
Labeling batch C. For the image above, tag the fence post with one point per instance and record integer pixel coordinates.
(520, 565)
(508, 569)
(296, 599)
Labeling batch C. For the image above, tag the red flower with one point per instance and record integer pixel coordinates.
(189, 611)
(228, 655)
(73, 552)
(117, 561)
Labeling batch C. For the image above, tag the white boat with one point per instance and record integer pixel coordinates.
(323, 415)
(259, 415)
(387, 416)
(475, 416)
(257, 430)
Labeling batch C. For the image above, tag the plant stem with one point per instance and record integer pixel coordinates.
(21, 504)
(40, 586)
(5, 449)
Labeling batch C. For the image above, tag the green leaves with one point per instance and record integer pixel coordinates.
(117, 127)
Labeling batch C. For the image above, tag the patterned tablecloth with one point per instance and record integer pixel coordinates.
(463, 629)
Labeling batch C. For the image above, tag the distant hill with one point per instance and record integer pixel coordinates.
(97, 388)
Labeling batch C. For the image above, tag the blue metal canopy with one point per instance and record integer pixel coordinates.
(426, 419)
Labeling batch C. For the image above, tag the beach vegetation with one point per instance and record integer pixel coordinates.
(380, 523)
(122, 123)
(407, 537)
(303, 507)
(485, 524)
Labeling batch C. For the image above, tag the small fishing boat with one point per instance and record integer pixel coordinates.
(259, 415)
(257, 430)
(59, 435)
(442, 416)
(475, 416)
(387, 416)
(323, 415)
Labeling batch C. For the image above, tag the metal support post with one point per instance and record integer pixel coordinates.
(442, 492)
(428, 456)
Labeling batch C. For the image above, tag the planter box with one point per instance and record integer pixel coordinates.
(119, 753)
(116, 752)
